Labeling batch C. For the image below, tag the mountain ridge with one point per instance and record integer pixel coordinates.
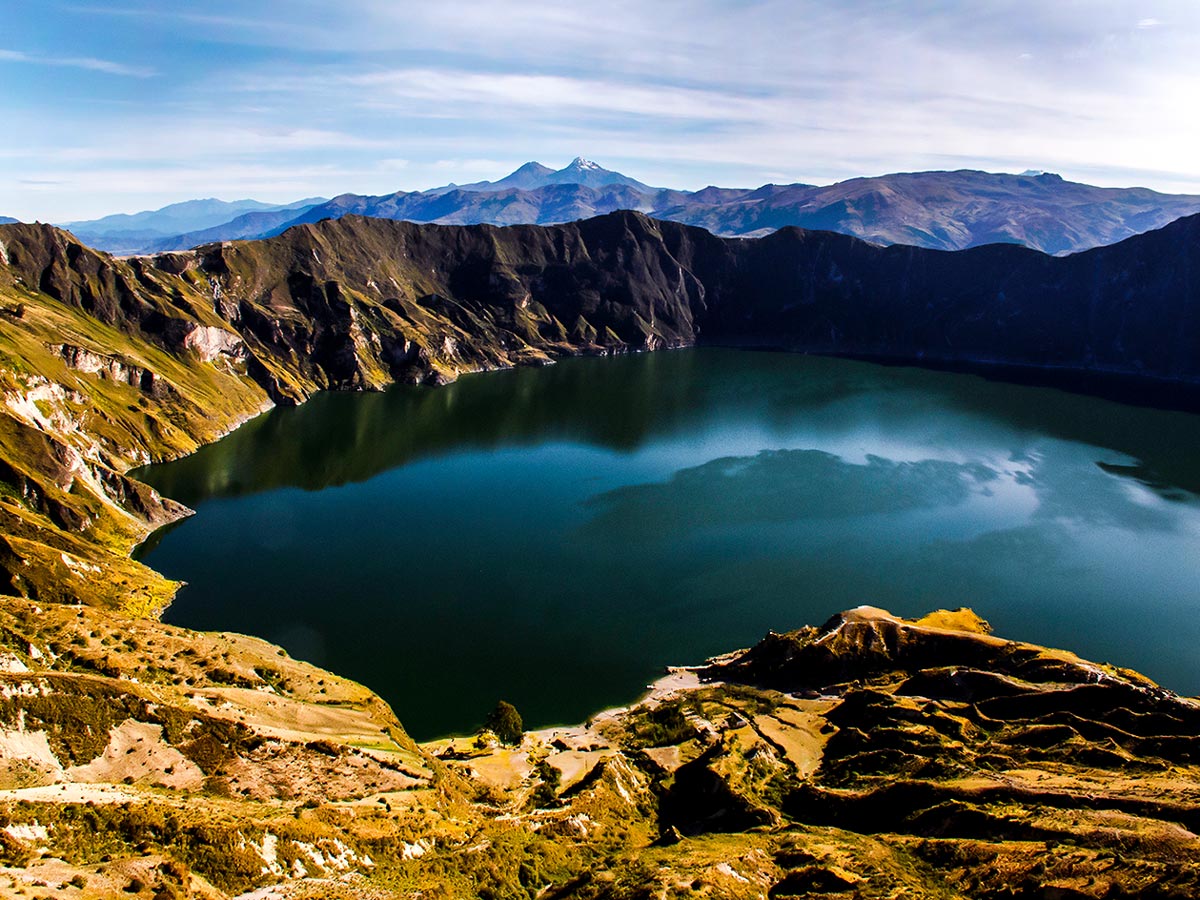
(950, 210)
(198, 341)
(946, 210)
(533, 175)
(187, 345)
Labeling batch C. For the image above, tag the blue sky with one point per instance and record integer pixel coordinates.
(122, 105)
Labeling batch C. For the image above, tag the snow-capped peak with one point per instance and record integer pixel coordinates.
(580, 163)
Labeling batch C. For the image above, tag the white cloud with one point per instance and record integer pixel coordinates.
(460, 92)
(174, 140)
(78, 62)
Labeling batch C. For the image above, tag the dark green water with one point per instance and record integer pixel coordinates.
(555, 536)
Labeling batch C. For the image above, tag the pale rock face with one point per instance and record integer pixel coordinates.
(31, 833)
(415, 850)
(209, 342)
(38, 395)
(86, 361)
(32, 748)
(89, 362)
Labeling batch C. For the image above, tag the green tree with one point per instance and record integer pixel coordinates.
(505, 722)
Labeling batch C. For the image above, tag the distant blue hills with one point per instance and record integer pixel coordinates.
(138, 232)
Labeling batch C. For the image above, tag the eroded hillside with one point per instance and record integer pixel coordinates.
(870, 757)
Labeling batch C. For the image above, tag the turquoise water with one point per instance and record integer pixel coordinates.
(555, 536)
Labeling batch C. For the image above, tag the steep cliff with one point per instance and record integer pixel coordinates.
(110, 363)
(466, 297)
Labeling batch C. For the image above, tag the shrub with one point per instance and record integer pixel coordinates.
(505, 722)
(549, 781)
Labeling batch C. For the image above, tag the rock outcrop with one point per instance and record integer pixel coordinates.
(876, 757)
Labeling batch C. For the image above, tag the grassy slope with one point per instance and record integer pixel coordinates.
(66, 435)
(918, 776)
(106, 363)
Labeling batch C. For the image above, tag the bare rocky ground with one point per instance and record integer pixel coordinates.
(870, 757)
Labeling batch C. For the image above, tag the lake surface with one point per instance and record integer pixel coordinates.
(555, 536)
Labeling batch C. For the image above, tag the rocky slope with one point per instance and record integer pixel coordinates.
(871, 757)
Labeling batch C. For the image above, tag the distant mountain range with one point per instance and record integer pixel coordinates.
(936, 210)
(139, 232)
(8, 220)
(534, 175)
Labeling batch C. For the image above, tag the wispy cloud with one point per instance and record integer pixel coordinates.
(78, 62)
(170, 140)
(462, 92)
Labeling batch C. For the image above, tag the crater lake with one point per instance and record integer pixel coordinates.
(556, 536)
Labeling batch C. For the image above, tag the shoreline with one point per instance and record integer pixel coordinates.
(1114, 386)
(648, 689)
